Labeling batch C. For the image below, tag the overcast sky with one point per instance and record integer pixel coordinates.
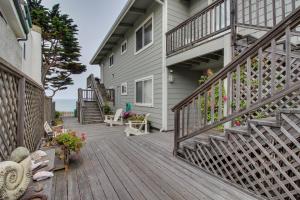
(94, 19)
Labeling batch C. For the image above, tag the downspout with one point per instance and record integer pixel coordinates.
(164, 4)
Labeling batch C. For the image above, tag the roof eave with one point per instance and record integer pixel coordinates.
(124, 11)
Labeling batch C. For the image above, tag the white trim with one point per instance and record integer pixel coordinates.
(152, 41)
(144, 104)
(164, 67)
(125, 41)
(124, 85)
(109, 65)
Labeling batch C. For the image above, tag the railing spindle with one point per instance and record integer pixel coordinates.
(248, 68)
(220, 103)
(238, 87)
(288, 57)
(212, 104)
(260, 65)
(273, 66)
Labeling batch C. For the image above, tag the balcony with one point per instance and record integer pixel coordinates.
(241, 17)
(209, 22)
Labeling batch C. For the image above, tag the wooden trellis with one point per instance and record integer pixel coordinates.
(21, 110)
(264, 159)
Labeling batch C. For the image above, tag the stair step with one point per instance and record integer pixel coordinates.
(290, 111)
(202, 142)
(238, 130)
(270, 121)
(219, 138)
(189, 145)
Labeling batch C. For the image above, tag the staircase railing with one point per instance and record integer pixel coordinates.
(223, 15)
(91, 82)
(258, 82)
(211, 21)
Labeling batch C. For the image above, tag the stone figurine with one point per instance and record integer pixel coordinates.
(15, 175)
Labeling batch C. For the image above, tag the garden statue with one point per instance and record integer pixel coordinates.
(15, 175)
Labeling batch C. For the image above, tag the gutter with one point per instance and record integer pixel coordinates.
(21, 16)
(113, 28)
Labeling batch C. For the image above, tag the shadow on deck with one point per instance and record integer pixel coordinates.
(112, 166)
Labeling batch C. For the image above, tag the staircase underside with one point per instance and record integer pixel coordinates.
(262, 157)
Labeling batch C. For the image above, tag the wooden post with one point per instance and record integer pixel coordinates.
(176, 131)
(233, 22)
(21, 112)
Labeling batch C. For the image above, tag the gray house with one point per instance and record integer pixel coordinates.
(134, 62)
(157, 51)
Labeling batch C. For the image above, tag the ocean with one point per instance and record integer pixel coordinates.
(65, 105)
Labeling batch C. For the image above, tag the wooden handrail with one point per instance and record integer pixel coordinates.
(249, 88)
(261, 43)
(215, 19)
(204, 10)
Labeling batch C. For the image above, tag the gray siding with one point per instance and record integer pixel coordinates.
(129, 67)
(10, 50)
(185, 82)
(197, 5)
(178, 11)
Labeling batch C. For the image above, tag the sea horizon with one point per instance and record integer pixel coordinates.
(65, 105)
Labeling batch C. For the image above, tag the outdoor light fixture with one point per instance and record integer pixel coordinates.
(171, 77)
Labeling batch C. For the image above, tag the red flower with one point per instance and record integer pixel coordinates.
(83, 136)
(237, 123)
(225, 98)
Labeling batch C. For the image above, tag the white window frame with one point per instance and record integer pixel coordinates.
(124, 85)
(152, 35)
(111, 55)
(123, 52)
(152, 92)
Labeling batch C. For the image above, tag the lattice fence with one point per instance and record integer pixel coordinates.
(33, 116)
(265, 160)
(21, 110)
(8, 112)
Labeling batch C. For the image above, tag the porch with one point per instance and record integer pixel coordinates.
(112, 166)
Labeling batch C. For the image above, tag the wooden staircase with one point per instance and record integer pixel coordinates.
(90, 103)
(255, 99)
(258, 157)
(92, 113)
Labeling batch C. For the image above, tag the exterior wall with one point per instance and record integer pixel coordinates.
(130, 67)
(185, 82)
(197, 5)
(178, 11)
(32, 58)
(10, 49)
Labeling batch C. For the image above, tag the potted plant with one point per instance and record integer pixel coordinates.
(70, 142)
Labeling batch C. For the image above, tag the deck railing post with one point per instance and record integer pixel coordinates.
(176, 131)
(233, 23)
(21, 112)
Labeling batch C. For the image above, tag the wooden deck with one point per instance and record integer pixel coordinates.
(112, 166)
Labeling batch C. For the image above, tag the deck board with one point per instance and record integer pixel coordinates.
(112, 166)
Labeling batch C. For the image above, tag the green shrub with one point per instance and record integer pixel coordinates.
(57, 115)
(75, 112)
(107, 109)
(70, 141)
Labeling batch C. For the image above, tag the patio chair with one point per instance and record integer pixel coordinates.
(137, 127)
(53, 131)
(116, 119)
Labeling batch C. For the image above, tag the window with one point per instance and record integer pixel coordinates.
(124, 89)
(111, 60)
(144, 91)
(144, 35)
(123, 47)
